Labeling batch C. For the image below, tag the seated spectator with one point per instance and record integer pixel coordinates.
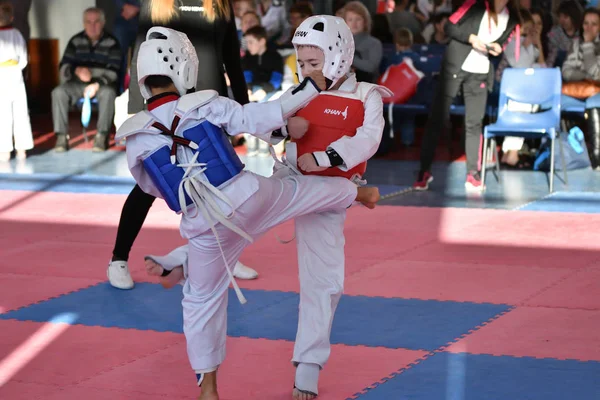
(403, 39)
(369, 51)
(434, 32)
(241, 7)
(89, 65)
(298, 13)
(273, 18)
(263, 66)
(263, 69)
(583, 63)
(401, 17)
(561, 36)
(426, 9)
(531, 56)
(249, 20)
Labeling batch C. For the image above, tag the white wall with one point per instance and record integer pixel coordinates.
(57, 19)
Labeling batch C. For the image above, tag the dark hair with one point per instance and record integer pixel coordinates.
(158, 82)
(403, 37)
(573, 10)
(303, 8)
(590, 10)
(546, 27)
(258, 32)
(6, 13)
(525, 16)
(437, 18)
(513, 10)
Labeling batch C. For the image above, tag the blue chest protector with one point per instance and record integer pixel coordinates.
(215, 151)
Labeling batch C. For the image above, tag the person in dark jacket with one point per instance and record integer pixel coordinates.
(478, 29)
(210, 26)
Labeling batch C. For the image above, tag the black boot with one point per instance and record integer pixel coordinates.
(62, 142)
(593, 119)
(100, 142)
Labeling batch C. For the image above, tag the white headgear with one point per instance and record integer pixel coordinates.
(169, 53)
(333, 36)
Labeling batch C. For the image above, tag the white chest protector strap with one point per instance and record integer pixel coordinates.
(199, 191)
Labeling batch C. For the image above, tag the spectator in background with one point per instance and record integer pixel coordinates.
(14, 115)
(125, 30)
(298, 13)
(542, 22)
(249, 20)
(241, 7)
(561, 36)
(403, 40)
(434, 32)
(263, 70)
(290, 68)
(369, 51)
(531, 56)
(477, 31)
(429, 8)
(583, 63)
(401, 17)
(90, 64)
(273, 17)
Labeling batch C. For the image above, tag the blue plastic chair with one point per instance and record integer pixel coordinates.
(529, 86)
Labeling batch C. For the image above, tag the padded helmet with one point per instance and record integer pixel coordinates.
(167, 52)
(333, 36)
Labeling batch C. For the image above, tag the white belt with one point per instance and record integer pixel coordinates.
(199, 191)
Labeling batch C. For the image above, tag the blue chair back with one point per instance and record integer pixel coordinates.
(530, 86)
(429, 65)
(426, 49)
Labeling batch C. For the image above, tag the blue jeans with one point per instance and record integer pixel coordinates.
(125, 32)
(567, 102)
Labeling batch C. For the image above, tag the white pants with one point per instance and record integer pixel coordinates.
(277, 200)
(320, 240)
(14, 118)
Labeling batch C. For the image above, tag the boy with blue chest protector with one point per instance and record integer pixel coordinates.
(178, 150)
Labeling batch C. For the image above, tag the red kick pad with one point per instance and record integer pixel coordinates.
(538, 332)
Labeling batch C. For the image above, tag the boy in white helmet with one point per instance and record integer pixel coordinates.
(342, 129)
(177, 150)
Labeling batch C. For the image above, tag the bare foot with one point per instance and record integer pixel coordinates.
(4, 156)
(300, 395)
(155, 269)
(21, 154)
(152, 268)
(209, 387)
(368, 196)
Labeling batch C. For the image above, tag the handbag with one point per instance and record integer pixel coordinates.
(581, 89)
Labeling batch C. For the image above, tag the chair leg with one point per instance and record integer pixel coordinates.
(562, 159)
(497, 171)
(552, 165)
(484, 163)
(391, 119)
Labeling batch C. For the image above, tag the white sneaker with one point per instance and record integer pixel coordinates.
(118, 275)
(243, 272)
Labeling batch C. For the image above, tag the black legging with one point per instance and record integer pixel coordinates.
(134, 213)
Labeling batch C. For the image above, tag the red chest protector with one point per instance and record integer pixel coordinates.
(330, 118)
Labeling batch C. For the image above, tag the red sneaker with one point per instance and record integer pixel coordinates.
(474, 181)
(423, 181)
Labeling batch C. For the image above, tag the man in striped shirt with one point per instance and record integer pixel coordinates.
(90, 64)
